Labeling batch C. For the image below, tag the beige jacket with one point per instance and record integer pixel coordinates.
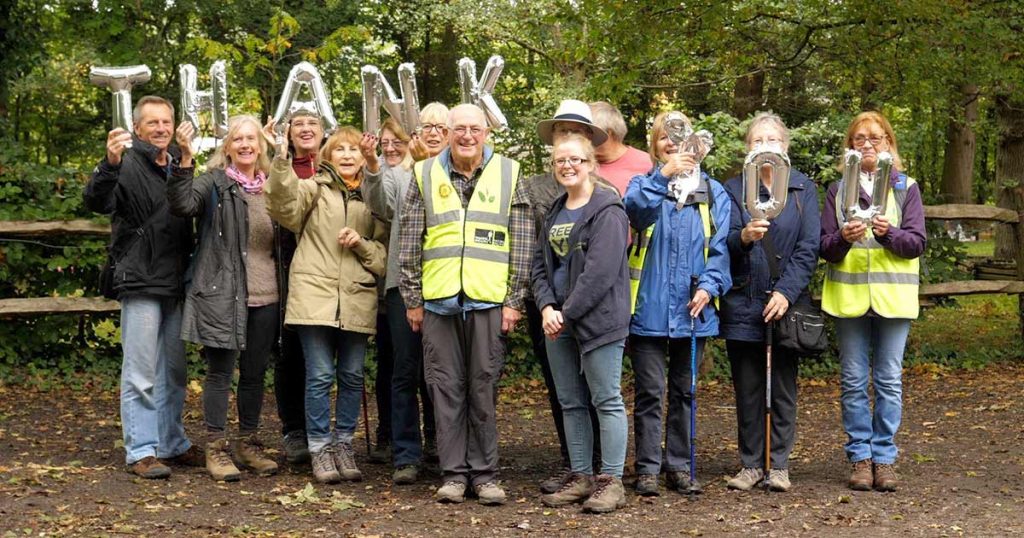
(328, 284)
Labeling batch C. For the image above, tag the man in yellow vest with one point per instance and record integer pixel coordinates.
(465, 247)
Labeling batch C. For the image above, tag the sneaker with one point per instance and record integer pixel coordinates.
(778, 480)
(193, 457)
(430, 451)
(647, 485)
(608, 495)
(248, 451)
(345, 460)
(489, 494)
(451, 492)
(296, 447)
(324, 468)
(149, 468)
(747, 478)
(218, 462)
(380, 454)
(406, 474)
(555, 482)
(862, 477)
(576, 488)
(885, 477)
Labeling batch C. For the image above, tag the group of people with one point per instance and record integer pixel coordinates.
(438, 245)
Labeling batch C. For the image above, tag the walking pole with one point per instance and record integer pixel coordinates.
(366, 420)
(694, 487)
(768, 402)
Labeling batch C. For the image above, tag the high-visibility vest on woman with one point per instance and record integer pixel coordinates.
(467, 250)
(870, 276)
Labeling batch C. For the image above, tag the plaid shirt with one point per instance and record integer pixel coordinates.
(413, 230)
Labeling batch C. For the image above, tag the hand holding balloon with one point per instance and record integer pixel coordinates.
(879, 225)
(417, 149)
(679, 163)
(183, 135)
(854, 231)
(368, 148)
(117, 140)
(754, 231)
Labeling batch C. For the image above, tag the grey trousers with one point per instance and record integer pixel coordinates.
(748, 380)
(462, 358)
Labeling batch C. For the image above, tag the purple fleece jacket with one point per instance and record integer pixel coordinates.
(907, 241)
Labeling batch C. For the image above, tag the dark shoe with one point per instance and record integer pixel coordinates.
(647, 485)
(193, 457)
(380, 454)
(406, 474)
(555, 482)
(218, 462)
(451, 492)
(489, 494)
(248, 451)
(677, 480)
(345, 461)
(149, 468)
(577, 488)
(747, 478)
(862, 477)
(296, 447)
(608, 495)
(885, 477)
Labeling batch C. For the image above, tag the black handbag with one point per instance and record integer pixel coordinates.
(801, 330)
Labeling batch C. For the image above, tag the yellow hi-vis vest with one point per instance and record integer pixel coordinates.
(872, 277)
(641, 241)
(467, 250)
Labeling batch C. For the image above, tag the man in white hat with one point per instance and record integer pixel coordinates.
(572, 116)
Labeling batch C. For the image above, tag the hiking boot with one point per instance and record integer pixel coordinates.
(218, 462)
(324, 468)
(345, 461)
(647, 485)
(248, 451)
(451, 492)
(489, 494)
(296, 447)
(885, 477)
(430, 451)
(555, 482)
(380, 454)
(406, 474)
(608, 495)
(149, 468)
(778, 480)
(747, 478)
(678, 480)
(862, 477)
(575, 489)
(193, 457)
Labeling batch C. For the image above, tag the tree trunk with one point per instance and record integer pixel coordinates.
(1010, 183)
(748, 95)
(958, 163)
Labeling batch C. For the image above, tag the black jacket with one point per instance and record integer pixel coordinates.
(149, 245)
(597, 310)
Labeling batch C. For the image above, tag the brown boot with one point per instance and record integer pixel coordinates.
(885, 477)
(248, 451)
(218, 462)
(575, 489)
(608, 495)
(862, 476)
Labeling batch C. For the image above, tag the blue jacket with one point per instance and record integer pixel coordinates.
(795, 236)
(676, 252)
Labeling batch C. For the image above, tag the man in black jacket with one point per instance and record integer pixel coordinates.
(149, 251)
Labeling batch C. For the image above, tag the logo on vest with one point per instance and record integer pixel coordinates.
(489, 237)
(444, 190)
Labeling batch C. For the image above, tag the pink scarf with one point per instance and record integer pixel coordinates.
(251, 186)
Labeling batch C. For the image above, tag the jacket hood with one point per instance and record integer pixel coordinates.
(601, 198)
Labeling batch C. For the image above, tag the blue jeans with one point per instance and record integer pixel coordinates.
(872, 346)
(320, 344)
(153, 378)
(598, 374)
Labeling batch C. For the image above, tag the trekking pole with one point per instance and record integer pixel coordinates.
(694, 487)
(768, 402)
(366, 420)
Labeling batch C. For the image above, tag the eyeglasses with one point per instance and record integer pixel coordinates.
(874, 139)
(462, 130)
(392, 143)
(439, 127)
(573, 161)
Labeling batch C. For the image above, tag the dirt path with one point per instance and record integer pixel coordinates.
(962, 465)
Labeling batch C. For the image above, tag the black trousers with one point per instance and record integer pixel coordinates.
(382, 385)
(748, 380)
(290, 384)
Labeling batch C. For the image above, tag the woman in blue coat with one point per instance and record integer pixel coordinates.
(755, 299)
(682, 264)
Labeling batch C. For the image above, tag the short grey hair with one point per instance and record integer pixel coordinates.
(770, 118)
(150, 100)
(607, 117)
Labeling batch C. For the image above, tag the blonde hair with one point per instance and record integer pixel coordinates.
(878, 119)
(434, 113)
(346, 134)
(391, 124)
(585, 144)
(220, 158)
(658, 129)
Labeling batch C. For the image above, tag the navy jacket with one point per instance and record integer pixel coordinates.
(795, 234)
(596, 310)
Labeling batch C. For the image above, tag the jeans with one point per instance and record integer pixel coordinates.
(406, 381)
(648, 356)
(591, 378)
(252, 368)
(382, 385)
(871, 346)
(290, 382)
(320, 344)
(153, 377)
(748, 381)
